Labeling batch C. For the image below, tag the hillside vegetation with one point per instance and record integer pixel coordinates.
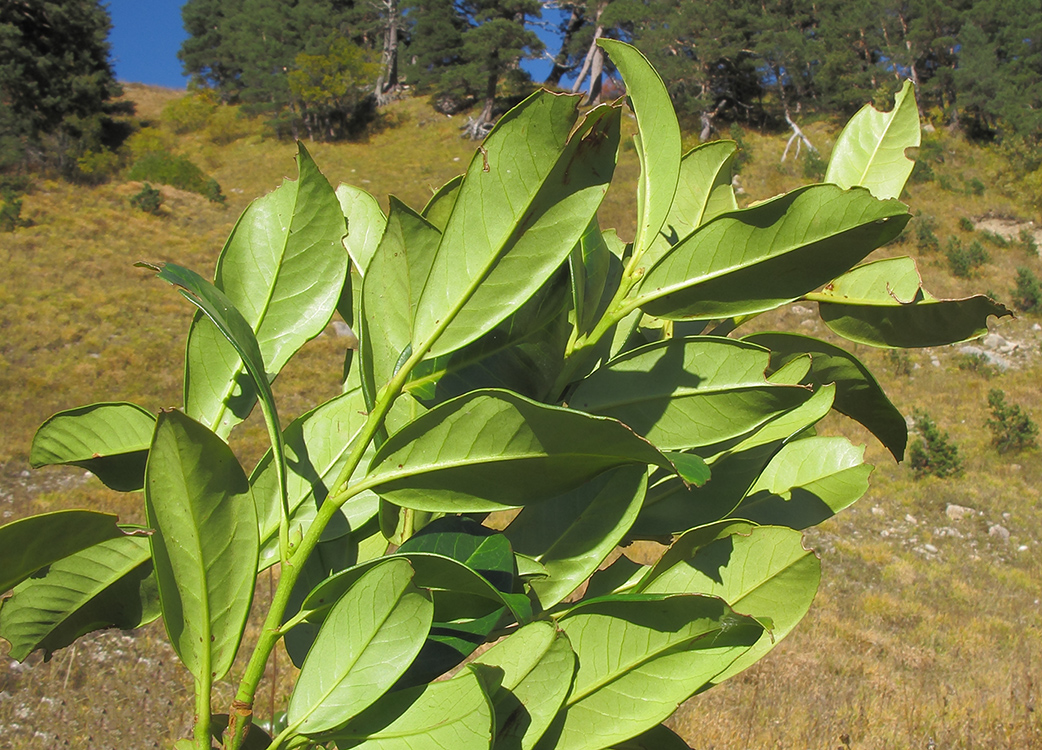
(928, 629)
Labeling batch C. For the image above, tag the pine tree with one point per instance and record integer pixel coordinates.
(56, 82)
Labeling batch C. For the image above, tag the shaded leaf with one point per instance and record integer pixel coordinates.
(871, 149)
(110, 440)
(656, 738)
(104, 586)
(640, 656)
(688, 392)
(455, 714)
(490, 450)
(703, 192)
(764, 572)
(758, 258)
(28, 544)
(572, 534)
(368, 639)
(883, 304)
(204, 543)
(538, 664)
(858, 393)
(317, 445)
(809, 480)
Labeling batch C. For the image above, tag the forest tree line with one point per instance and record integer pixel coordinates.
(316, 68)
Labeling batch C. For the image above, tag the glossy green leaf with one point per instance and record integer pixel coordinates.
(858, 393)
(758, 258)
(368, 639)
(204, 543)
(283, 268)
(883, 304)
(529, 194)
(439, 207)
(491, 450)
(538, 664)
(639, 658)
(454, 714)
(808, 481)
(688, 392)
(28, 544)
(703, 192)
(104, 586)
(365, 224)
(871, 149)
(110, 440)
(764, 572)
(572, 534)
(656, 738)
(618, 578)
(391, 292)
(316, 445)
(658, 141)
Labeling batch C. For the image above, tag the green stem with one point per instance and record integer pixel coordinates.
(203, 686)
(271, 420)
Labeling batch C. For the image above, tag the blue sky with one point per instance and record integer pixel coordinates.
(146, 35)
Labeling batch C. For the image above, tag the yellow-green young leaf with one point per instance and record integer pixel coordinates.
(704, 191)
(640, 656)
(688, 392)
(367, 641)
(528, 195)
(755, 259)
(571, 535)
(283, 267)
(365, 224)
(808, 481)
(455, 714)
(107, 585)
(492, 450)
(204, 541)
(764, 572)
(858, 393)
(883, 304)
(538, 664)
(110, 440)
(28, 544)
(871, 150)
(658, 140)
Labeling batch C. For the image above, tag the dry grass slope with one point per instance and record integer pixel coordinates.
(927, 632)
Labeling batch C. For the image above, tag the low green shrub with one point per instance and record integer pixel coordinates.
(900, 362)
(966, 223)
(1011, 427)
(975, 362)
(933, 453)
(11, 212)
(994, 238)
(148, 199)
(1028, 294)
(963, 261)
(1028, 243)
(177, 171)
(96, 167)
(925, 237)
(190, 113)
(974, 186)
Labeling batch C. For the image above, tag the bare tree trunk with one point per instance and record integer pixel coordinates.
(797, 136)
(911, 67)
(708, 117)
(575, 22)
(591, 53)
(478, 129)
(593, 93)
(387, 83)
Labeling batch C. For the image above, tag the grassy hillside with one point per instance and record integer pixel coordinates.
(927, 631)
